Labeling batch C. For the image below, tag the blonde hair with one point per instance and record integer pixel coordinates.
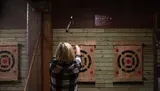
(64, 52)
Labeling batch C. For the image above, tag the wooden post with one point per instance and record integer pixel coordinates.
(155, 51)
(46, 50)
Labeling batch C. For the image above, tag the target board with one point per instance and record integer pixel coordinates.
(87, 66)
(128, 63)
(8, 61)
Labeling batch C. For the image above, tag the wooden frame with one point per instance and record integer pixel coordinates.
(87, 73)
(8, 61)
(128, 59)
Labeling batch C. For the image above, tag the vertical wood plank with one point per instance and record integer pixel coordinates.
(155, 22)
(46, 50)
(34, 27)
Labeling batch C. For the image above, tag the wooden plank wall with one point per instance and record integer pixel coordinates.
(16, 35)
(104, 54)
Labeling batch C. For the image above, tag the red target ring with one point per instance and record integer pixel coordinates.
(128, 61)
(7, 61)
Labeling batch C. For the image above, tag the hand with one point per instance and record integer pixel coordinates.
(77, 50)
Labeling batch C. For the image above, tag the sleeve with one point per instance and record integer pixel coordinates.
(78, 59)
(52, 65)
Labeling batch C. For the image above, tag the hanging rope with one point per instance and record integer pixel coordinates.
(32, 61)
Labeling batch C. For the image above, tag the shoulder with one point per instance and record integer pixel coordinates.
(53, 61)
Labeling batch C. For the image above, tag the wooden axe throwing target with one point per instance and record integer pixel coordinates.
(8, 61)
(128, 63)
(87, 66)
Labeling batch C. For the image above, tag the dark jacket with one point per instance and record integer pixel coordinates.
(64, 76)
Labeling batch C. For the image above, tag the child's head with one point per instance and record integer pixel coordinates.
(65, 52)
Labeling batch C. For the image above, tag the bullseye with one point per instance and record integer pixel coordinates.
(4, 61)
(128, 61)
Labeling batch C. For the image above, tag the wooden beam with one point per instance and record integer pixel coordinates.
(46, 50)
(155, 48)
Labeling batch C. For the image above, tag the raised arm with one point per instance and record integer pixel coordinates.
(78, 54)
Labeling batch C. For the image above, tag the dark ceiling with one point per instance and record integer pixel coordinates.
(111, 5)
(121, 10)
